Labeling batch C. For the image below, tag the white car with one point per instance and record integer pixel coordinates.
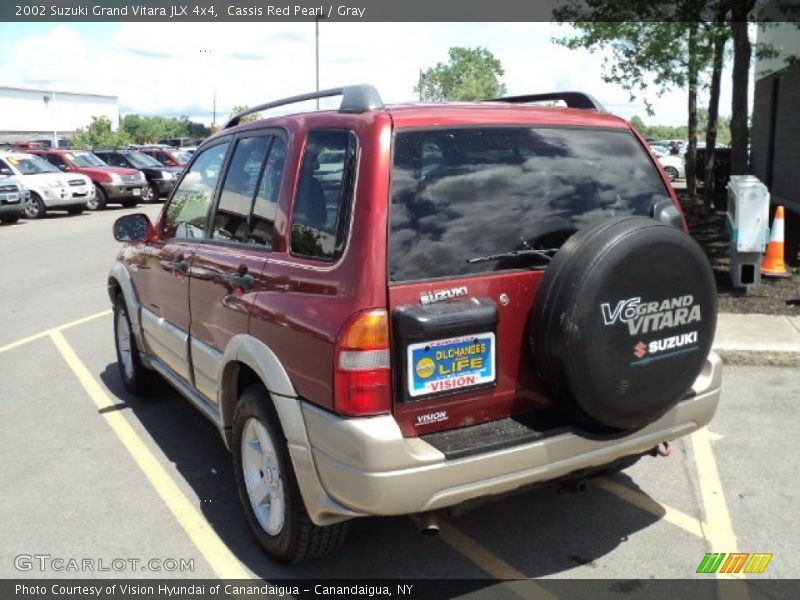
(12, 198)
(673, 166)
(48, 188)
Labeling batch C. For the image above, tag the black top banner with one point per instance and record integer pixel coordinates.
(371, 10)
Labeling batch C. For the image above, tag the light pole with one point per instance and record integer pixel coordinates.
(316, 50)
(47, 100)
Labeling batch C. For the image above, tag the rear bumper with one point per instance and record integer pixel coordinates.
(366, 466)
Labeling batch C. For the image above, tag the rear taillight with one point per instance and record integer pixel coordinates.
(362, 378)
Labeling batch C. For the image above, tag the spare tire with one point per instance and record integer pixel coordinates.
(623, 321)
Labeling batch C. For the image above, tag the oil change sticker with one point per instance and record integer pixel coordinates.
(451, 364)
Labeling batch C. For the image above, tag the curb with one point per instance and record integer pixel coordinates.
(759, 358)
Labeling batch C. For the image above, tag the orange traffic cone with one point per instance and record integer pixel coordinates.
(773, 265)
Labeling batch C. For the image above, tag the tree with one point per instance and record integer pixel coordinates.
(98, 134)
(742, 50)
(654, 45)
(147, 130)
(247, 118)
(719, 33)
(470, 74)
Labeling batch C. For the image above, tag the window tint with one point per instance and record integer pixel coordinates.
(462, 193)
(187, 213)
(266, 202)
(230, 221)
(322, 202)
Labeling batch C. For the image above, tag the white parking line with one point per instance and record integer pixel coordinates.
(213, 549)
(38, 336)
(647, 504)
(718, 528)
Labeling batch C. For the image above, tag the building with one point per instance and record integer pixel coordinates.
(37, 114)
(775, 133)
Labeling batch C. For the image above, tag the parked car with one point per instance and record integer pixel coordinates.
(392, 310)
(49, 189)
(112, 185)
(166, 155)
(13, 194)
(160, 179)
(177, 142)
(674, 166)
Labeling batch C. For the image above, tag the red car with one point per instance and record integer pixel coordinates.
(166, 155)
(113, 185)
(392, 310)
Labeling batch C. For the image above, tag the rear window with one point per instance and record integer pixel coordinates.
(458, 194)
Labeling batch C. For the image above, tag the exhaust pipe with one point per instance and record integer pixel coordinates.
(427, 523)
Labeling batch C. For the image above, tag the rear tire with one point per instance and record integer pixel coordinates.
(129, 203)
(268, 487)
(137, 379)
(75, 210)
(671, 172)
(34, 207)
(8, 220)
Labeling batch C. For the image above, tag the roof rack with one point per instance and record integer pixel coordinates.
(355, 99)
(572, 99)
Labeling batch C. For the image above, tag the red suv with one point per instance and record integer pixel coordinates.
(395, 309)
(112, 185)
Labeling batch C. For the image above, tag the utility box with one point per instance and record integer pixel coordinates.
(747, 221)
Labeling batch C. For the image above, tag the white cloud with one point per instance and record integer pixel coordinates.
(173, 69)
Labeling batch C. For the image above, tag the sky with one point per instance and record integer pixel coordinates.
(174, 69)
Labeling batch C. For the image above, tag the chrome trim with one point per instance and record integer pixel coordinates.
(168, 343)
(206, 366)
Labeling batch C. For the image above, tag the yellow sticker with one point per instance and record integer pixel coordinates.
(12, 160)
(425, 367)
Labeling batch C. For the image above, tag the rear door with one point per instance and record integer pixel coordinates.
(226, 269)
(162, 278)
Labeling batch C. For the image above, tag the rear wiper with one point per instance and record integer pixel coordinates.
(546, 254)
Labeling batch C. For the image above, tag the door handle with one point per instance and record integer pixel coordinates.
(241, 279)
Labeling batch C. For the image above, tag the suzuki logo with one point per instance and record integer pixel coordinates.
(639, 350)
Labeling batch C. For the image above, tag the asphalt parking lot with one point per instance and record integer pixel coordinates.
(91, 472)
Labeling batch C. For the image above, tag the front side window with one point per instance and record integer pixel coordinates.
(187, 213)
(322, 199)
(230, 220)
(463, 193)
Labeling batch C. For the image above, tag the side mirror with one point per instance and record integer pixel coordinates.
(63, 168)
(134, 228)
(6, 172)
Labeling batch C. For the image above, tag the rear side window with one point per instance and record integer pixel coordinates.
(56, 160)
(231, 218)
(265, 205)
(458, 194)
(322, 201)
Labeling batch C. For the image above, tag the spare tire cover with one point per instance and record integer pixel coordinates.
(623, 321)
